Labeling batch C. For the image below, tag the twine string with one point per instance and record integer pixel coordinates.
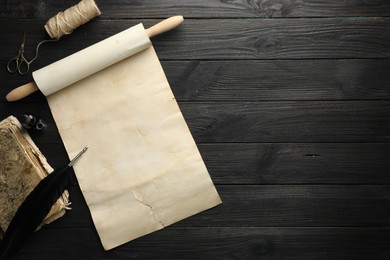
(65, 22)
(61, 24)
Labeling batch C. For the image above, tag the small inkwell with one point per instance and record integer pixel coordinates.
(32, 122)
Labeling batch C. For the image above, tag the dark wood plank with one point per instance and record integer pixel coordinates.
(223, 39)
(294, 163)
(279, 39)
(274, 206)
(216, 243)
(290, 115)
(268, 163)
(279, 163)
(243, 8)
(202, 8)
(299, 206)
(297, 122)
(265, 163)
(307, 121)
(355, 79)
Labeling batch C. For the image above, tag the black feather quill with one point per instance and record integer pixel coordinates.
(34, 209)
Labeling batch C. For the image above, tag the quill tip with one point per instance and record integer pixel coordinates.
(72, 162)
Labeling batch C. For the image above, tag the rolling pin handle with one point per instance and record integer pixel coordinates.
(22, 91)
(165, 25)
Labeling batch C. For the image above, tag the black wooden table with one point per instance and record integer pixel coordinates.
(288, 102)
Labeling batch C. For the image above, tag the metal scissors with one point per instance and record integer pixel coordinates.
(19, 63)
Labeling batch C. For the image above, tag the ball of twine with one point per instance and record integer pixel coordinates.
(65, 22)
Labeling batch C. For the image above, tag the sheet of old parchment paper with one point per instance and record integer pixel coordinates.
(142, 171)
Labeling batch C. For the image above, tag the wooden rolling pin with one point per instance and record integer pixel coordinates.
(79, 65)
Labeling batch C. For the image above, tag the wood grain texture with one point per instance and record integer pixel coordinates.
(263, 80)
(281, 163)
(357, 79)
(275, 163)
(224, 38)
(297, 163)
(202, 8)
(291, 116)
(308, 121)
(271, 163)
(274, 206)
(217, 243)
(280, 122)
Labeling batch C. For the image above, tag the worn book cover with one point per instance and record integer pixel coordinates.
(22, 166)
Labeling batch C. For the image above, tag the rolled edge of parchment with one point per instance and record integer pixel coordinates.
(88, 61)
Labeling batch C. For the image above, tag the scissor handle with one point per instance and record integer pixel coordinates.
(13, 64)
(18, 64)
(24, 66)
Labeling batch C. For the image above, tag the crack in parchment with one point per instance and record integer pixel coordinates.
(150, 207)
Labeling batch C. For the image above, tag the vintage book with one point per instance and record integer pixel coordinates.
(22, 166)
